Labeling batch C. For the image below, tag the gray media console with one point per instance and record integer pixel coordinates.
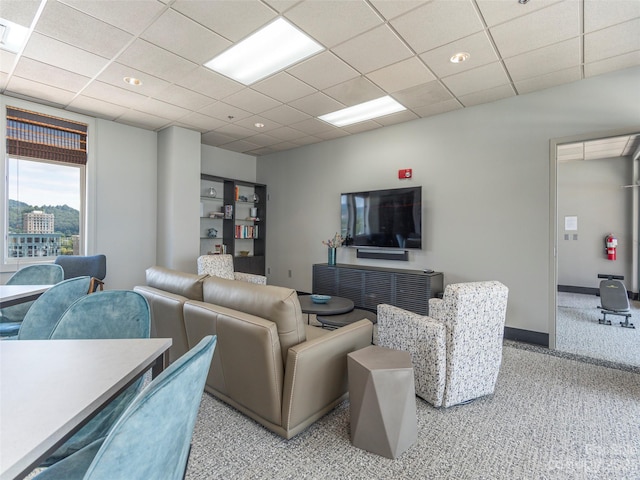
(370, 286)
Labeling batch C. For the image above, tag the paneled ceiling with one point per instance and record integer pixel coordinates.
(601, 148)
(78, 52)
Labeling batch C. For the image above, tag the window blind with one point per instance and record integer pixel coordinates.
(36, 135)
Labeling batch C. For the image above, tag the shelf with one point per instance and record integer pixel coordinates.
(213, 199)
(210, 238)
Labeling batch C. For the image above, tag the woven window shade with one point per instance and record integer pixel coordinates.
(36, 135)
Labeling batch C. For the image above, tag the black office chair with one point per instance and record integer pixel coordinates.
(94, 266)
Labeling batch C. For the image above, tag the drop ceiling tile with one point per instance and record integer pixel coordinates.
(402, 75)
(331, 22)
(396, 118)
(70, 26)
(323, 70)
(236, 131)
(234, 20)
(38, 92)
(139, 13)
(308, 140)
(312, 126)
(251, 101)
(372, 50)
(206, 82)
(143, 120)
(203, 123)
(285, 115)
(437, 15)
(283, 87)
(316, 104)
(422, 95)
(250, 123)
(622, 38)
(53, 52)
(6, 61)
(21, 12)
(162, 109)
(241, 146)
(549, 59)
(478, 46)
(95, 107)
(178, 34)
(264, 140)
(549, 80)
(224, 111)
(333, 133)
(281, 6)
(109, 93)
(438, 108)
(285, 133)
(361, 127)
(156, 61)
(605, 13)
(4, 79)
(114, 75)
(355, 91)
(619, 62)
(56, 77)
(184, 97)
(391, 9)
(488, 95)
(216, 138)
(481, 78)
(538, 29)
(500, 11)
(262, 151)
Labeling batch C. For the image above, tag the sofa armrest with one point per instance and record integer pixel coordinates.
(436, 308)
(250, 278)
(425, 339)
(316, 374)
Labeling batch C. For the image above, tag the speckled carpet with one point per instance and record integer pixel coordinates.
(549, 418)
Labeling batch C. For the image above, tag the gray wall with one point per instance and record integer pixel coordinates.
(486, 188)
(591, 191)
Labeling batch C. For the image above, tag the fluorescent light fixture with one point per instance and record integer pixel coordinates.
(269, 50)
(13, 36)
(364, 111)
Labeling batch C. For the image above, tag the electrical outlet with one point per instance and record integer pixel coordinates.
(289, 273)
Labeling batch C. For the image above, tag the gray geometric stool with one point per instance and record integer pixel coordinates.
(382, 400)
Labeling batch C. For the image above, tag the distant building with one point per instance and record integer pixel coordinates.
(38, 222)
(34, 244)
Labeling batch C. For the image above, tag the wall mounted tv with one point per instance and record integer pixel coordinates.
(383, 218)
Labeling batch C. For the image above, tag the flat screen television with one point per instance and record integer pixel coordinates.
(382, 218)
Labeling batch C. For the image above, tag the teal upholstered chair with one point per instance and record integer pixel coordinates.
(107, 314)
(151, 439)
(44, 274)
(42, 317)
(94, 266)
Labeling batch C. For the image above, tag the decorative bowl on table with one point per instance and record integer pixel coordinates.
(320, 298)
(244, 253)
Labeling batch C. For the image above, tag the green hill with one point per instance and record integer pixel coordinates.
(67, 219)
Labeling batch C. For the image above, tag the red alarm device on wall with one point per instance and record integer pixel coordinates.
(404, 173)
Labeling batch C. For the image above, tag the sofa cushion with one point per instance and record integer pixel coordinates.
(277, 304)
(180, 283)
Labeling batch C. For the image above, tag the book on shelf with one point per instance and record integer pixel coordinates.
(228, 211)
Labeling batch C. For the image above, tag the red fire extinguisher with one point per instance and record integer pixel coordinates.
(612, 245)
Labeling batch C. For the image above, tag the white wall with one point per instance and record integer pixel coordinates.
(591, 191)
(224, 163)
(485, 177)
(125, 180)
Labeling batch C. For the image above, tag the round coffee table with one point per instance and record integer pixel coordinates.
(340, 320)
(335, 306)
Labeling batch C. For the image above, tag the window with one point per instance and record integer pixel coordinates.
(45, 173)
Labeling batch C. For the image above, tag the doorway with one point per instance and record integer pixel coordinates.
(594, 187)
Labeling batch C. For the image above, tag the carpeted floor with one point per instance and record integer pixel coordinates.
(550, 418)
(578, 330)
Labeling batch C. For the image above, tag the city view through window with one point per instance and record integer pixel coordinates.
(43, 209)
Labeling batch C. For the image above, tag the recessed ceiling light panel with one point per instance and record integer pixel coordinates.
(365, 111)
(136, 82)
(267, 51)
(13, 36)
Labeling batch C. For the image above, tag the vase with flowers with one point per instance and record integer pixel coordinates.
(333, 244)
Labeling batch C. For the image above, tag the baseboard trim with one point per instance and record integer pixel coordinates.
(527, 336)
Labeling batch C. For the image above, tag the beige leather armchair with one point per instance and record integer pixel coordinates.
(268, 363)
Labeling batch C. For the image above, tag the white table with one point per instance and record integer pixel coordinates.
(50, 388)
(13, 294)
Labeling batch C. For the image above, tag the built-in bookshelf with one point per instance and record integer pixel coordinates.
(233, 220)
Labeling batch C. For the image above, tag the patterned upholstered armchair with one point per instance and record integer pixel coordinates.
(222, 266)
(457, 350)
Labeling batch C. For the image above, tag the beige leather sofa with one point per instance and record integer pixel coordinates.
(268, 363)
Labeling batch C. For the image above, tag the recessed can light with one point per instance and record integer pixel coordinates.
(460, 57)
(136, 82)
(258, 125)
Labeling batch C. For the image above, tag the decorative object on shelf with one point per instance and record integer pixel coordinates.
(333, 243)
(253, 212)
(320, 298)
(212, 192)
(216, 215)
(256, 198)
(228, 211)
(242, 198)
(244, 253)
(212, 233)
